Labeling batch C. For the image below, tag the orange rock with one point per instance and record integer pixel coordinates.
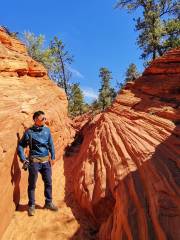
(11, 43)
(24, 89)
(125, 166)
(34, 70)
(79, 121)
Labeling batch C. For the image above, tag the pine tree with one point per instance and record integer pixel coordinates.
(106, 93)
(86, 107)
(172, 30)
(155, 34)
(95, 106)
(131, 73)
(62, 59)
(76, 101)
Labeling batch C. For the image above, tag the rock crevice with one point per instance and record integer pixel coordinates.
(122, 169)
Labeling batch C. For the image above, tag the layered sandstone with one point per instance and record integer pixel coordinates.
(122, 170)
(125, 165)
(24, 89)
(79, 121)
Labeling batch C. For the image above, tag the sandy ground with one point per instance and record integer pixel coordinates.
(45, 224)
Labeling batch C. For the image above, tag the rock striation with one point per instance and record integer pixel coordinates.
(126, 163)
(24, 89)
(122, 170)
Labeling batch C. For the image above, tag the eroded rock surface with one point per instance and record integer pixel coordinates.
(125, 166)
(24, 89)
(122, 171)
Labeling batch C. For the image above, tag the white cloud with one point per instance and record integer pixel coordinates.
(75, 72)
(90, 92)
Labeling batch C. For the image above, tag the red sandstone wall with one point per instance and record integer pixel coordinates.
(24, 89)
(126, 171)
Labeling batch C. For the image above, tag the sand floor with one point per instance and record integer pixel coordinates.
(45, 224)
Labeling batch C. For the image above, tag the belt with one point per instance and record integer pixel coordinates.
(39, 159)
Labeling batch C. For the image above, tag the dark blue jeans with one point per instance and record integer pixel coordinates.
(46, 172)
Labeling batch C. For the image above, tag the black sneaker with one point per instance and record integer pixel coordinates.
(31, 210)
(51, 206)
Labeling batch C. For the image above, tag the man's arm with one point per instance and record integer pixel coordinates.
(51, 146)
(23, 143)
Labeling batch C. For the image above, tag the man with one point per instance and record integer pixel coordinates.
(40, 142)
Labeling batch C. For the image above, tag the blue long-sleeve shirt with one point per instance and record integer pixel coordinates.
(39, 140)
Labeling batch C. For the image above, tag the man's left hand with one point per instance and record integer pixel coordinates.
(52, 162)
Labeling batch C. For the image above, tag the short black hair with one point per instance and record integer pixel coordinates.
(37, 114)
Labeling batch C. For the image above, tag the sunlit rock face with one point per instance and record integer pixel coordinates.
(125, 166)
(24, 89)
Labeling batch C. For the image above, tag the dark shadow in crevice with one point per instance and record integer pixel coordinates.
(16, 176)
(87, 229)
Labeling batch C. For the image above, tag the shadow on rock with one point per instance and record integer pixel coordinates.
(16, 177)
(87, 230)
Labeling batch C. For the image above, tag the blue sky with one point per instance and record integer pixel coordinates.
(94, 32)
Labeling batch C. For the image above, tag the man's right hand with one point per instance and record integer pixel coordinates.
(26, 165)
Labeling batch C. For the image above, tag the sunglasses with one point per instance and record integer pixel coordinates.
(43, 119)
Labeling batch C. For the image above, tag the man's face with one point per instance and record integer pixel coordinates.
(40, 120)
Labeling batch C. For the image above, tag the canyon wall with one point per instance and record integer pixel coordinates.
(125, 164)
(24, 89)
(122, 170)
